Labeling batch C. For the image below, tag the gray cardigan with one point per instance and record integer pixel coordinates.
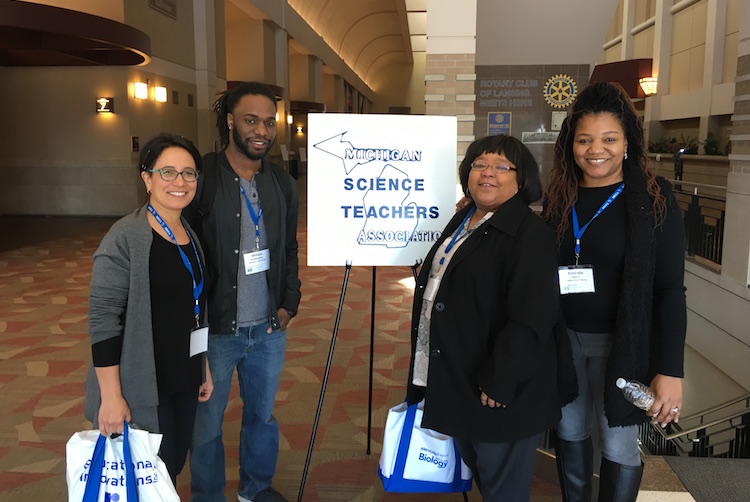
(120, 304)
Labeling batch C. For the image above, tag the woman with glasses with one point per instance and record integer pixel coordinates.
(486, 301)
(147, 306)
(622, 258)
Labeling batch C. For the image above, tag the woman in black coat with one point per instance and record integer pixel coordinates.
(483, 354)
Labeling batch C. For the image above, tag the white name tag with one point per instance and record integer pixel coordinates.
(576, 279)
(257, 261)
(430, 290)
(198, 341)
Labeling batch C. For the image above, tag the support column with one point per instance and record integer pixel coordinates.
(735, 263)
(659, 68)
(206, 82)
(306, 78)
(450, 70)
(628, 21)
(713, 65)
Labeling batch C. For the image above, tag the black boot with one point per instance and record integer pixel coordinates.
(619, 483)
(574, 468)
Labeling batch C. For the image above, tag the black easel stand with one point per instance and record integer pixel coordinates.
(372, 348)
(328, 368)
(325, 381)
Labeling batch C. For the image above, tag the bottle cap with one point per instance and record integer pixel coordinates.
(621, 383)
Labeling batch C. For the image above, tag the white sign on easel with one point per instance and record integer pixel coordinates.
(381, 188)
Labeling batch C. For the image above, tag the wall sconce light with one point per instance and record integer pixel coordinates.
(277, 116)
(105, 105)
(141, 90)
(300, 129)
(160, 94)
(289, 119)
(648, 84)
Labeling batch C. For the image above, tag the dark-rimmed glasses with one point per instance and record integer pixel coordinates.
(189, 175)
(498, 168)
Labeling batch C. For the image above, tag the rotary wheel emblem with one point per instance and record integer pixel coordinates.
(560, 91)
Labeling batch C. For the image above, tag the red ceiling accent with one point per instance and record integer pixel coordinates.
(626, 73)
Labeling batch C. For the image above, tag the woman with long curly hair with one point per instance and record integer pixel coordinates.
(621, 266)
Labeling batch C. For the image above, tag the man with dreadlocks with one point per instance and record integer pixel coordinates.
(245, 211)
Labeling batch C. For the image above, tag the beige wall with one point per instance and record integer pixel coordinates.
(401, 85)
(688, 48)
(171, 39)
(58, 155)
(244, 37)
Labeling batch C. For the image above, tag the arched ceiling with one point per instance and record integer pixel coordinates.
(367, 34)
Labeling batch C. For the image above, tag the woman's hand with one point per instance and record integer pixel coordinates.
(465, 201)
(205, 390)
(113, 411)
(488, 401)
(668, 403)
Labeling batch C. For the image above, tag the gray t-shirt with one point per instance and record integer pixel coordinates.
(253, 296)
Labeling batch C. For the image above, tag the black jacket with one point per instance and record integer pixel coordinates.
(217, 221)
(491, 327)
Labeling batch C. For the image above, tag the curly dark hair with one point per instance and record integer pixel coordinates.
(562, 190)
(228, 101)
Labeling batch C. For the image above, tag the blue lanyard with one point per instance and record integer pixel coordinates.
(578, 232)
(197, 288)
(256, 219)
(456, 234)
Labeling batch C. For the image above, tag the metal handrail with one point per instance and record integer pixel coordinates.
(695, 184)
(685, 432)
(720, 406)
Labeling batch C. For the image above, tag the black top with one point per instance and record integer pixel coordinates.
(172, 319)
(603, 247)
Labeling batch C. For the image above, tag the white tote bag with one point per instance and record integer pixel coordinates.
(419, 460)
(98, 468)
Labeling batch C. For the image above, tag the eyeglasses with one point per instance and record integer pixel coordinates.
(481, 166)
(188, 175)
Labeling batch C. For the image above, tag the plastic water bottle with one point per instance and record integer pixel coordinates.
(637, 393)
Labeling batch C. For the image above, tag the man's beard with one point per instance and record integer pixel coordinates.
(242, 147)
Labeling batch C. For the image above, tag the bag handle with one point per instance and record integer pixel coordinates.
(129, 468)
(93, 483)
(91, 493)
(457, 468)
(403, 444)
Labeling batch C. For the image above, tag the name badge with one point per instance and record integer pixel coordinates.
(576, 279)
(198, 340)
(430, 290)
(257, 261)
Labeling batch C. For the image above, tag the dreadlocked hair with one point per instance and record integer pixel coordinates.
(228, 100)
(562, 190)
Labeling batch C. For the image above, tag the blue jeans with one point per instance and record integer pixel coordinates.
(617, 444)
(259, 357)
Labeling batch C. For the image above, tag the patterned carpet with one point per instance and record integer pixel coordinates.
(45, 266)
